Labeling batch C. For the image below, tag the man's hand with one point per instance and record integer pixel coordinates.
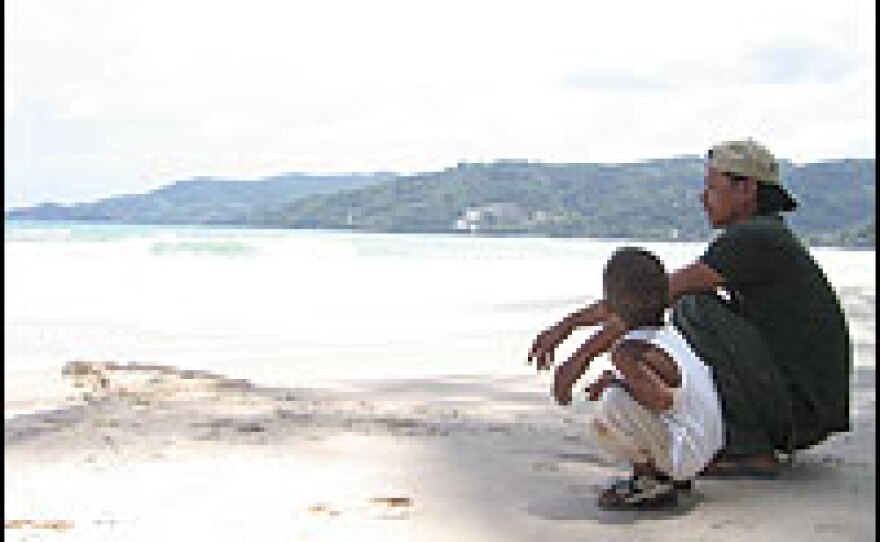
(545, 345)
(563, 382)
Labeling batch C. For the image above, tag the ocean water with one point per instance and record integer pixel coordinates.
(285, 307)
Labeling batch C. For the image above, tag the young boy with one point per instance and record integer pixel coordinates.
(661, 412)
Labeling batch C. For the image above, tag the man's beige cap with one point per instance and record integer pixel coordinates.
(746, 158)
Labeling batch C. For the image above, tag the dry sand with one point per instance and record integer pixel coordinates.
(138, 453)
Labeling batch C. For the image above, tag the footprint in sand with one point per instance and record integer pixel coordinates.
(392, 507)
(543, 466)
(322, 509)
(47, 524)
(379, 508)
(250, 428)
(392, 502)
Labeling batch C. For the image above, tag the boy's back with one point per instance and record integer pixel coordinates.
(694, 417)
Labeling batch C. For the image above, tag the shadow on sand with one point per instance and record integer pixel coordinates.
(168, 406)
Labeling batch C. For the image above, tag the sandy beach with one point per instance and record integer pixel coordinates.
(273, 270)
(115, 451)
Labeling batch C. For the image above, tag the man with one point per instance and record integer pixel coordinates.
(757, 308)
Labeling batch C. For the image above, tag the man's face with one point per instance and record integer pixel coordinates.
(725, 201)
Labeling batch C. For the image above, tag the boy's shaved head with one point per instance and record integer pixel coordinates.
(636, 287)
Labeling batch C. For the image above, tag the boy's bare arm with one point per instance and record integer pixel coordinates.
(547, 341)
(592, 315)
(693, 278)
(575, 366)
(646, 386)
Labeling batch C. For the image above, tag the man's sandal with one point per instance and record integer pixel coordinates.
(731, 467)
(641, 493)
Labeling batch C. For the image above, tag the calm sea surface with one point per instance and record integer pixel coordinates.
(286, 306)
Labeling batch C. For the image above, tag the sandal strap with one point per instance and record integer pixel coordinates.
(641, 489)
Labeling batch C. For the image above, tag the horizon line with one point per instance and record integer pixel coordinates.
(458, 164)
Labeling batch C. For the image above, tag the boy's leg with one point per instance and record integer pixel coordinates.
(629, 432)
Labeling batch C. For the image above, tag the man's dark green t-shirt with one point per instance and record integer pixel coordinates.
(775, 284)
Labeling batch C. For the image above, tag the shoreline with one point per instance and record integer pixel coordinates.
(450, 234)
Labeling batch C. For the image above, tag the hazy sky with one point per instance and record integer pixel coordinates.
(114, 96)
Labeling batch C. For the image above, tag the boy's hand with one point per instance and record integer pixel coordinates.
(544, 346)
(563, 381)
(595, 389)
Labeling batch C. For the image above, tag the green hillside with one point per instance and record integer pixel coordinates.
(653, 200)
(202, 200)
(650, 200)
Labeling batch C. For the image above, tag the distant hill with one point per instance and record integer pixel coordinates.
(650, 200)
(202, 200)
